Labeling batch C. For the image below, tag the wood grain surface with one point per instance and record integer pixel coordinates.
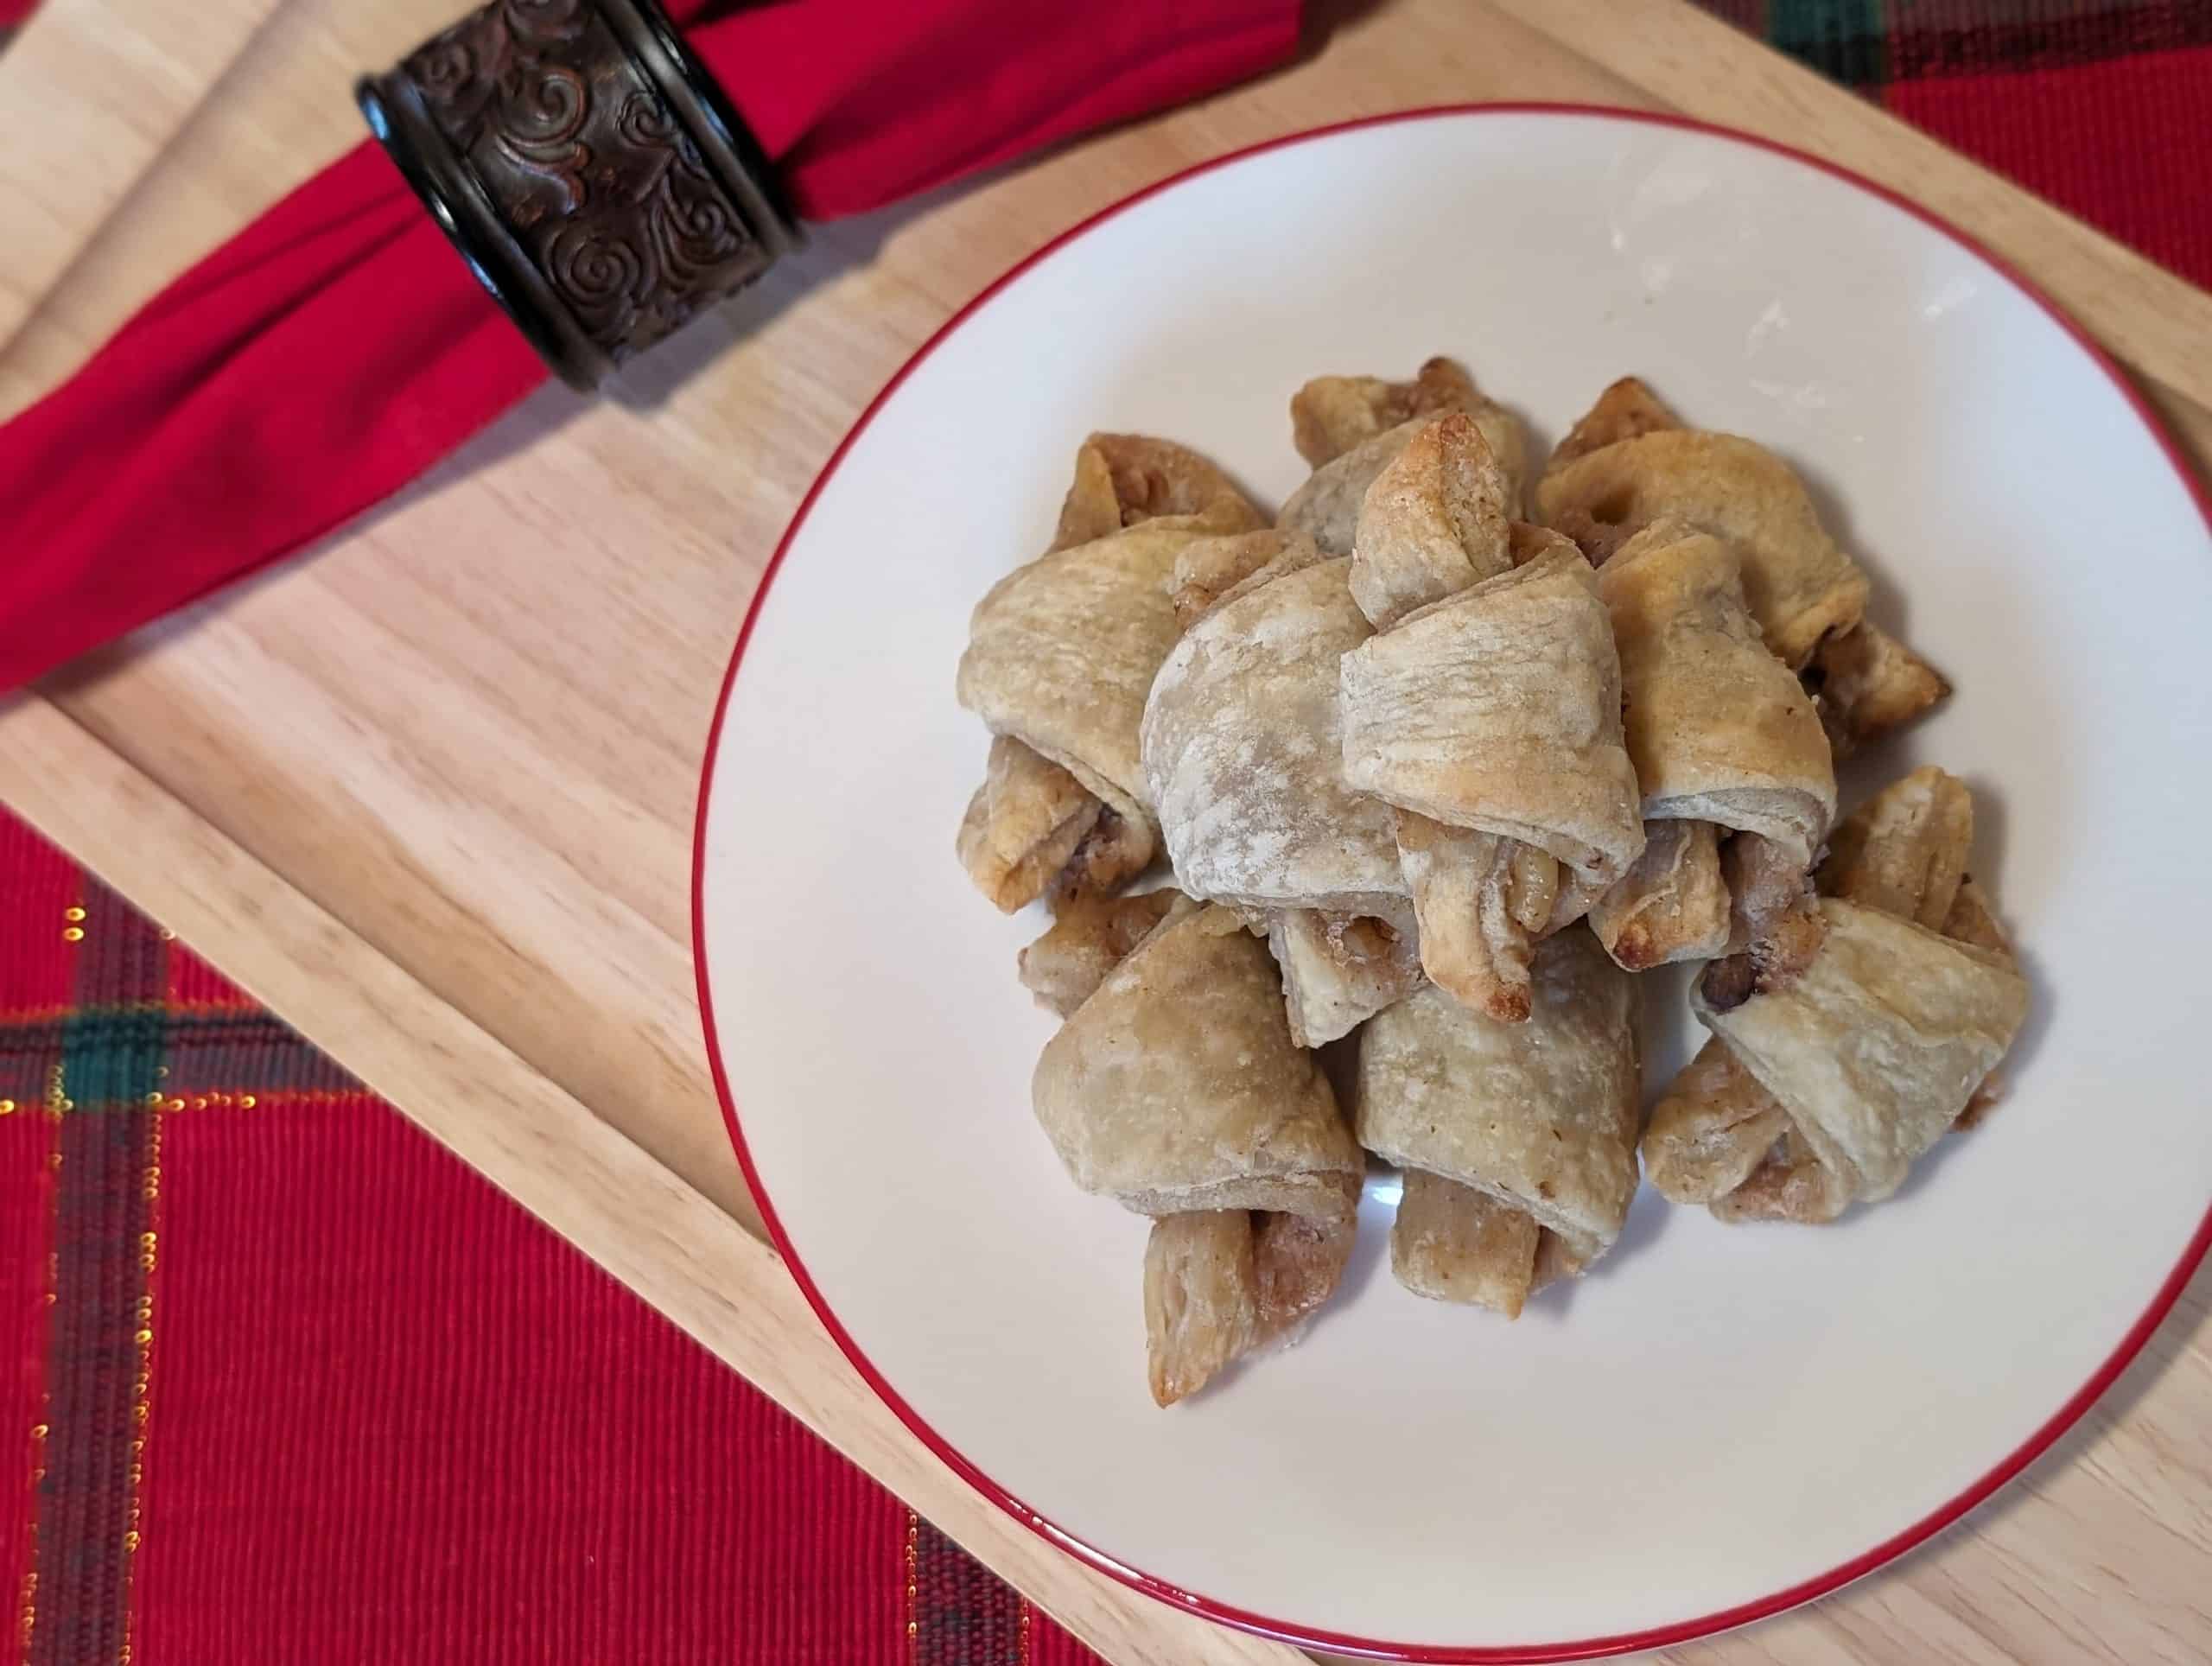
(429, 794)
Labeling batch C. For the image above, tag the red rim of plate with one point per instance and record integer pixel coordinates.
(1284, 1630)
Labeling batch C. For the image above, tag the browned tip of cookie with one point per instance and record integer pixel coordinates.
(1623, 412)
(1508, 1004)
(1635, 950)
(1124, 479)
(1023, 824)
(1868, 684)
(1984, 1101)
(1330, 414)
(1441, 384)
(1728, 983)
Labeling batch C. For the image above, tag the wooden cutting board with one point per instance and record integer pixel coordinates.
(429, 793)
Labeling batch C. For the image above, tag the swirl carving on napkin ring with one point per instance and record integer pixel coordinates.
(587, 168)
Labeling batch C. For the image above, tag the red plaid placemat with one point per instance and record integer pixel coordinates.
(2104, 106)
(279, 1380)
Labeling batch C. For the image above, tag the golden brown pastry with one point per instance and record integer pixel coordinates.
(1905, 850)
(1434, 524)
(1434, 521)
(1339, 970)
(1241, 746)
(1350, 428)
(1722, 1136)
(1060, 656)
(1024, 824)
(1497, 712)
(1791, 1184)
(1673, 902)
(1454, 1243)
(1499, 709)
(1718, 728)
(1220, 1283)
(1799, 585)
(1712, 1127)
(1869, 684)
(1625, 410)
(1242, 755)
(1876, 1049)
(1789, 1181)
(1175, 1088)
(1480, 903)
(1396, 747)
(1540, 1117)
(1720, 733)
(1091, 936)
(1470, 603)
(1208, 569)
(1970, 921)
(1774, 927)
(1331, 415)
(1201, 1299)
(1630, 460)
(1123, 480)
(1326, 508)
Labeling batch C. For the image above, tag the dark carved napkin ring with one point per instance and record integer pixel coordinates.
(589, 169)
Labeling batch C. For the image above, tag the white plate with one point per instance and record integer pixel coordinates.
(1718, 1422)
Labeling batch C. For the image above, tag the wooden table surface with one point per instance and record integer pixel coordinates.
(429, 793)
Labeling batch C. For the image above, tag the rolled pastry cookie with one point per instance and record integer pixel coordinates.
(1904, 852)
(1541, 1116)
(1351, 427)
(1451, 1242)
(1060, 656)
(1799, 585)
(1876, 1049)
(1720, 734)
(1629, 460)
(1499, 709)
(1243, 754)
(1123, 480)
(1175, 1088)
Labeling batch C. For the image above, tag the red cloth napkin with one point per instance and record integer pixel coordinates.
(339, 346)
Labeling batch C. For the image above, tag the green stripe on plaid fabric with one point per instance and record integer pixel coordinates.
(1977, 37)
(109, 1035)
(1868, 44)
(102, 1075)
(959, 1613)
(1844, 38)
(229, 1054)
(106, 1185)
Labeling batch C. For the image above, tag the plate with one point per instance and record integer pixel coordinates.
(1718, 1422)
